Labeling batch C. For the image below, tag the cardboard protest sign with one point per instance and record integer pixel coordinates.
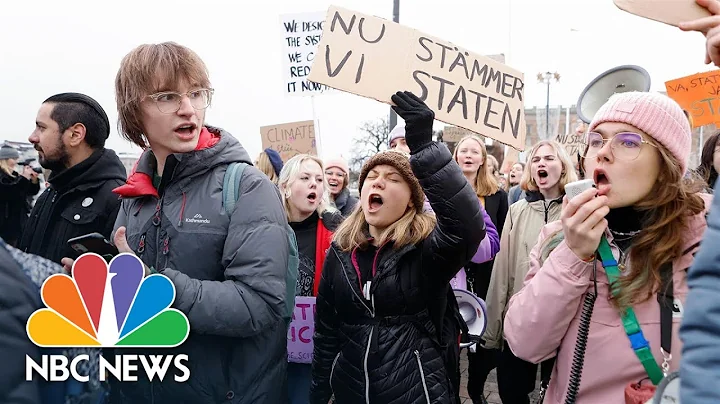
(290, 139)
(301, 35)
(698, 95)
(672, 12)
(302, 328)
(453, 134)
(573, 143)
(512, 156)
(375, 58)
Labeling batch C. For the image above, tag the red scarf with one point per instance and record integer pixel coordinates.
(322, 244)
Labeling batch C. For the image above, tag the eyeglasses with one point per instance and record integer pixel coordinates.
(168, 102)
(624, 145)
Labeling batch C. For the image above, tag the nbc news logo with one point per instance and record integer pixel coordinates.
(108, 307)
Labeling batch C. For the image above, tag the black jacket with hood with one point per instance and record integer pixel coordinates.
(77, 201)
(390, 349)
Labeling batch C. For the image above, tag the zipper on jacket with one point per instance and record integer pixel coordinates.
(362, 301)
(422, 376)
(332, 371)
(365, 365)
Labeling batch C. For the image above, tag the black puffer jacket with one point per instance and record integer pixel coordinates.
(389, 351)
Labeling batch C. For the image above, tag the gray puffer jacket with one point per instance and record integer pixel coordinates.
(229, 273)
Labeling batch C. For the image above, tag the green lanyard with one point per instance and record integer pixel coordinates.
(632, 328)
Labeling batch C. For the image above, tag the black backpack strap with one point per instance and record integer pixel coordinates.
(667, 303)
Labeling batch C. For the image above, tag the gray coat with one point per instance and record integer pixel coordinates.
(229, 273)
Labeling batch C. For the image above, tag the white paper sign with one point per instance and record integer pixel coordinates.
(300, 38)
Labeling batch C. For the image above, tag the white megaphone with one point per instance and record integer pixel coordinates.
(474, 313)
(619, 79)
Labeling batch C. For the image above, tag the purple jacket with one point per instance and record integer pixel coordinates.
(489, 246)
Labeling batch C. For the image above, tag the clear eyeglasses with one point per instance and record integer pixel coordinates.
(168, 102)
(624, 145)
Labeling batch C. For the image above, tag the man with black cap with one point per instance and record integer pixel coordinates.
(70, 134)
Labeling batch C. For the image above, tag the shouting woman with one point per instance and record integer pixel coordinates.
(307, 204)
(384, 289)
(544, 180)
(611, 275)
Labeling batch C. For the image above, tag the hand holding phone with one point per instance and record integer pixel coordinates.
(583, 218)
(94, 243)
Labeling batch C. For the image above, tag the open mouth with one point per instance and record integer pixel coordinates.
(600, 177)
(312, 197)
(376, 202)
(333, 183)
(186, 129)
(601, 181)
(542, 174)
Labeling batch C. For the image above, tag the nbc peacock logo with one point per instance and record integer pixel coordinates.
(107, 306)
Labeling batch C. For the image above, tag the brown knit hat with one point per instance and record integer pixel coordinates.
(400, 162)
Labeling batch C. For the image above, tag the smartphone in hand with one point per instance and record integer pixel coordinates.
(94, 243)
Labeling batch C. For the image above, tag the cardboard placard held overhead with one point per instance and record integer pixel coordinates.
(300, 35)
(375, 58)
(290, 139)
(699, 95)
(671, 12)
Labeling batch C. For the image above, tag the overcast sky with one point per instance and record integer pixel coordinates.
(47, 47)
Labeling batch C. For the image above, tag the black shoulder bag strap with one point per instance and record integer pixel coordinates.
(667, 303)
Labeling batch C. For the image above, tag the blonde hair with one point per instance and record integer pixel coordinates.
(289, 174)
(263, 164)
(568, 175)
(410, 229)
(6, 167)
(485, 183)
(139, 75)
(494, 162)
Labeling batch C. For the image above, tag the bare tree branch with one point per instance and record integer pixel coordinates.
(373, 140)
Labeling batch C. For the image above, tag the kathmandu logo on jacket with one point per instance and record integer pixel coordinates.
(197, 219)
(101, 306)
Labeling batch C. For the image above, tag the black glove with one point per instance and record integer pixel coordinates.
(418, 119)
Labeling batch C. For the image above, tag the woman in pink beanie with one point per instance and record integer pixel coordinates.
(636, 152)
(336, 172)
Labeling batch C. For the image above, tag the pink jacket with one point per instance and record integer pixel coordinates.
(542, 320)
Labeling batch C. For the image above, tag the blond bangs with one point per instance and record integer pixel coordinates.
(410, 229)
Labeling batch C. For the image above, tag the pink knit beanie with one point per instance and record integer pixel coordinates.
(338, 162)
(653, 113)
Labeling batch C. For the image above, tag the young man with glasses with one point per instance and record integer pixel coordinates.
(229, 268)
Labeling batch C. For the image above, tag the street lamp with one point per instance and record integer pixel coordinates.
(547, 78)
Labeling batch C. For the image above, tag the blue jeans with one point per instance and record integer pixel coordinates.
(299, 377)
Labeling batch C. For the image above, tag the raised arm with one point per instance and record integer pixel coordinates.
(460, 226)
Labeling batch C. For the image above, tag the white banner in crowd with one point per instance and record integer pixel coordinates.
(300, 37)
